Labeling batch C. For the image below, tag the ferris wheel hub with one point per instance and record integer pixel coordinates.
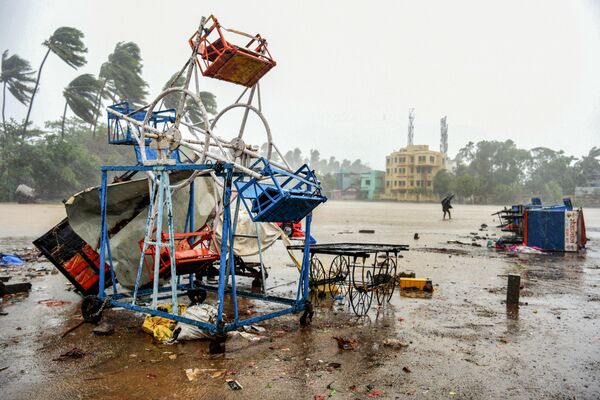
(238, 146)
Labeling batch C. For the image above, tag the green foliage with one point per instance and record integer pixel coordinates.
(80, 95)
(54, 166)
(499, 172)
(191, 112)
(442, 183)
(67, 44)
(16, 76)
(122, 74)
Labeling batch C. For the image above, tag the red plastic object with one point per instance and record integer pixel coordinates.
(189, 257)
(293, 230)
(219, 58)
(82, 271)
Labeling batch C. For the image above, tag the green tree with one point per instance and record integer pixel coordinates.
(442, 182)
(191, 111)
(589, 166)
(67, 44)
(80, 96)
(121, 78)
(545, 166)
(16, 76)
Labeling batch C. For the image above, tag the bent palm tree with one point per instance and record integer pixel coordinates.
(208, 99)
(80, 97)
(66, 43)
(15, 75)
(121, 77)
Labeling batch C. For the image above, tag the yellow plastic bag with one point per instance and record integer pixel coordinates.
(159, 327)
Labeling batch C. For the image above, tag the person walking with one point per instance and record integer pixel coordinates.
(446, 206)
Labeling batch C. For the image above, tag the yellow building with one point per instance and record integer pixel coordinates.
(409, 173)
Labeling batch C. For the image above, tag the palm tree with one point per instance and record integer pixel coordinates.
(121, 78)
(208, 99)
(66, 43)
(80, 97)
(589, 165)
(15, 75)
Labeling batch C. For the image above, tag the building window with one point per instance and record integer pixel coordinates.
(387, 183)
(402, 183)
(412, 183)
(367, 181)
(432, 159)
(402, 170)
(422, 159)
(428, 183)
(402, 159)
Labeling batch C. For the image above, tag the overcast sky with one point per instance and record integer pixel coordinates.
(348, 71)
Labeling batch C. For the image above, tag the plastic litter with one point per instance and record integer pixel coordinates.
(10, 259)
(200, 312)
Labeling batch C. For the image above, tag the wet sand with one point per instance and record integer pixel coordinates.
(463, 342)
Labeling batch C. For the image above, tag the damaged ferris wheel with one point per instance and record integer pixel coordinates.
(175, 142)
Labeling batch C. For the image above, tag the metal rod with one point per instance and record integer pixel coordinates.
(158, 240)
(103, 231)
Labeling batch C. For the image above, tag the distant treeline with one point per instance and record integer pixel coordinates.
(500, 173)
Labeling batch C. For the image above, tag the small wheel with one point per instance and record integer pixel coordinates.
(338, 278)
(360, 292)
(385, 280)
(360, 300)
(316, 280)
(91, 309)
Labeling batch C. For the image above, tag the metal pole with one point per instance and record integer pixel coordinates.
(260, 259)
(149, 225)
(173, 262)
(158, 242)
(224, 240)
(306, 260)
(103, 235)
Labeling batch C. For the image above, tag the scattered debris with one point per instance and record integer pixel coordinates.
(333, 365)
(254, 329)
(200, 312)
(151, 376)
(75, 352)
(14, 288)
(396, 344)
(406, 369)
(233, 384)
(346, 343)
(375, 393)
(25, 194)
(192, 373)
(474, 244)
(54, 303)
(416, 237)
(10, 259)
(104, 329)
(73, 328)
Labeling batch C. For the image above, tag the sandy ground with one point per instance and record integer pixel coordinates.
(463, 342)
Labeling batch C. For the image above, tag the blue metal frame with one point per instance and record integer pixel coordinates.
(300, 303)
(290, 200)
